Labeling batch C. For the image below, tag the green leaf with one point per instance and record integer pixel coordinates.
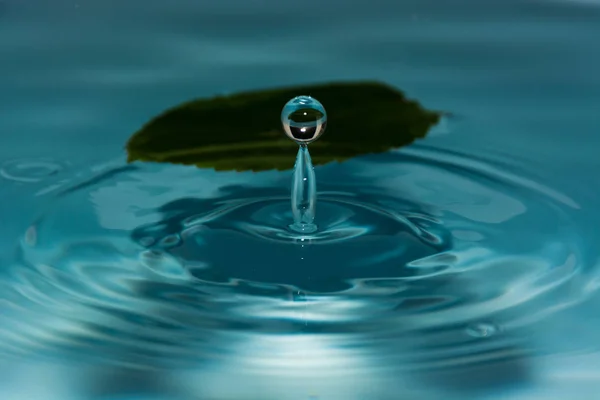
(243, 131)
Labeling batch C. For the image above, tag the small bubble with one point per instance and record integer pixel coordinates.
(29, 171)
(482, 330)
(304, 119)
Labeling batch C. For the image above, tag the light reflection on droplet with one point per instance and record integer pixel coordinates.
(304, 119)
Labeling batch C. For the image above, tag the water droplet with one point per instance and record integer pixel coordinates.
(482, 330)
(304, 193)
(29, 171)
(304, 119)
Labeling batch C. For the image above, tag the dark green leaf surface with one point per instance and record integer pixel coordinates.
(243, 131)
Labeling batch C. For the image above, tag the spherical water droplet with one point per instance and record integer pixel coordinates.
(304, 119)
(482, 330)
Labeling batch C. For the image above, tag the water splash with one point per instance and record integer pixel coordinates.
(404, 274)
(304, 120)
(304, 193)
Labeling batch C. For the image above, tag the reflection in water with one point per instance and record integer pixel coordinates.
(157, 273)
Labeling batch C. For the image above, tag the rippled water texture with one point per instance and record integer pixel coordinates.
(462, 267)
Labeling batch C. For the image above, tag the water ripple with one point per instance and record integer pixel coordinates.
(30, 170)
(432, 265)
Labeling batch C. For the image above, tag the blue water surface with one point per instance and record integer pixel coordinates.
(464, 266)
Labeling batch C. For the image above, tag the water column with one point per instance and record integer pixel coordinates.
(304, 120)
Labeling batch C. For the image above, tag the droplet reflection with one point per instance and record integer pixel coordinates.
(304, 119)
